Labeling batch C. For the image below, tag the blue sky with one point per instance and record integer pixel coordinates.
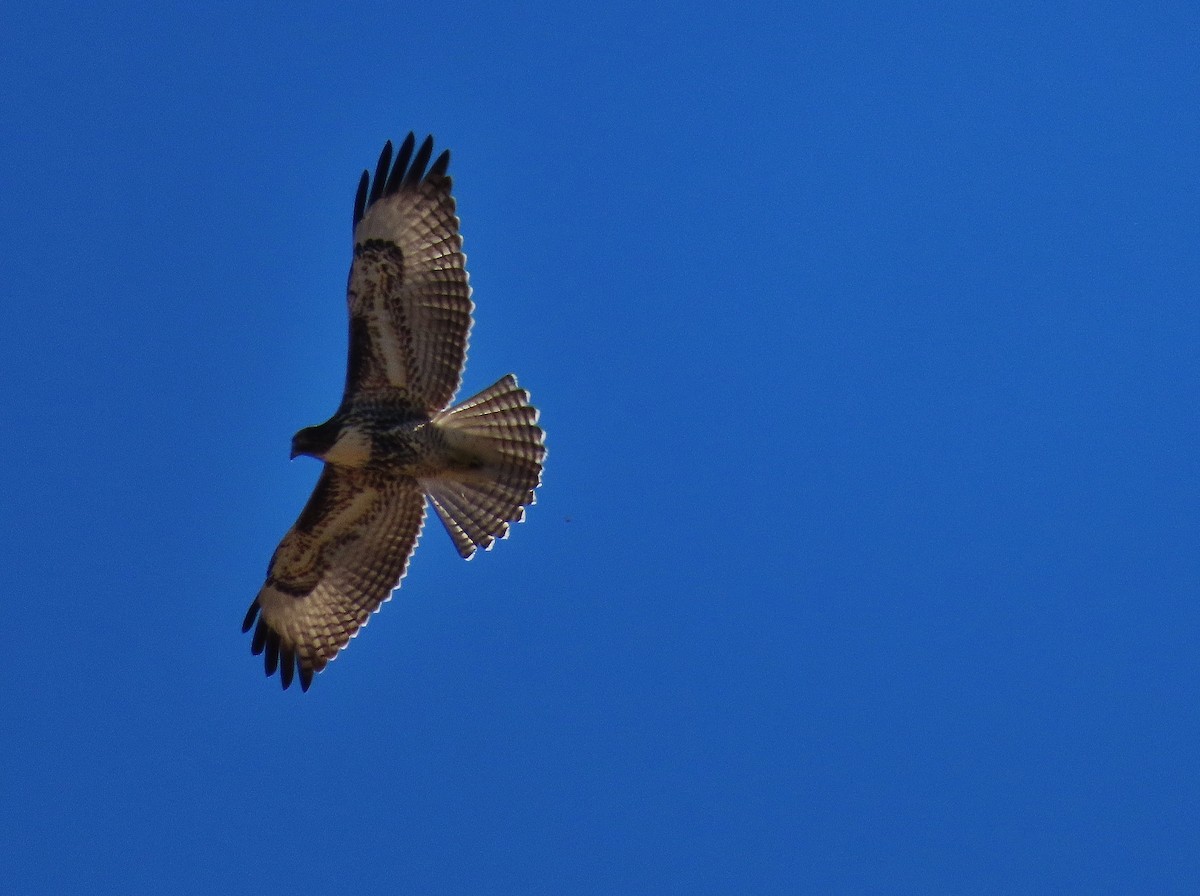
(866, 559)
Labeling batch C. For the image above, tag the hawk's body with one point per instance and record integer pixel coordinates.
(394, 440)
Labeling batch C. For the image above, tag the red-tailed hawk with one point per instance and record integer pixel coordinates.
(395, 440)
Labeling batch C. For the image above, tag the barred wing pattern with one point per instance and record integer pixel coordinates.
(479, 463)
(408, 296)
(477, 509)
(335, 567)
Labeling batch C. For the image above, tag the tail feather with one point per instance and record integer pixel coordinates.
(499, 426)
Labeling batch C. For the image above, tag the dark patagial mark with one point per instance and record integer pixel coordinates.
(289, 588)
(360, 349)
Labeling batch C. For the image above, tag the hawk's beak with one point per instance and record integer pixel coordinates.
(295, 451)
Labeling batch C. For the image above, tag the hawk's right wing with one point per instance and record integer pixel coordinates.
(334, 568)
(410, 305)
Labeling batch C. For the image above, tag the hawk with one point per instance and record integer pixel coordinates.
(395, 440)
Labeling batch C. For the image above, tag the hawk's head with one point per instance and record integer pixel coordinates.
(333, 443)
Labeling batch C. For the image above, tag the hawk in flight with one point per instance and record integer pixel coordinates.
(395, 440)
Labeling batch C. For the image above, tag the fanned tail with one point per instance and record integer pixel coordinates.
(499, 427)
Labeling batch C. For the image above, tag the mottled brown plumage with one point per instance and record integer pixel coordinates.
(394, 439)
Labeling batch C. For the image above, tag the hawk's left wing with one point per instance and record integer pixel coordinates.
(410, 305)
(334, 568)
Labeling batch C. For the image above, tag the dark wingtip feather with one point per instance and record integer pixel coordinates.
(397, 176)
(271, 654)
(417, 171)
(260, 638)
(381, 172)
(287, 666)
(277, 656)
(360, 201)
(401, 175)
(251, 615)
(440, 166)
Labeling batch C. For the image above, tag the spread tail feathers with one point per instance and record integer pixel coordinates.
(498, 427)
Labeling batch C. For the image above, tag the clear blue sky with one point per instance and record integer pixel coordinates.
(868, 554)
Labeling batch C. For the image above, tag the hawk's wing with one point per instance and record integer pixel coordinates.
(410, 305)
(335, 567)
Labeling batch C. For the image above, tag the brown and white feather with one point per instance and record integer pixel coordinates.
(335, 567)
(395, 438)
(408, 295)
(499, 426)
